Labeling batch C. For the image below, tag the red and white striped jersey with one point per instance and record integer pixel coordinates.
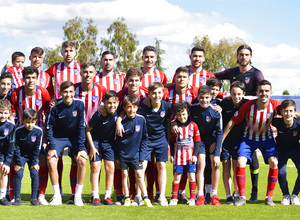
(17, 76)
(257, 121)
(91, 99)
(45, 81)
(184, 143)
(156, 76)
(39, 102)
(198, 79)
(143, 93)
(170, 95)
(114, 82)
(62, 73)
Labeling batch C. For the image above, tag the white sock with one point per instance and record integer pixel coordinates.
(95, 194)
(200, 193)
(228, 196)
(107, 194)
(79, 189)
(236, 195)
(207, 188)
(2, 193)
(214, 192)
(56, 190)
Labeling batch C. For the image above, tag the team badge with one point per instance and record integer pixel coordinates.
(202, 79)
(74, 113)
(269, 115)
(116, 81)
(38, 102)
(191, 132)
(42, 81)
(95, 99)
(116, 117)
(33, 138)
(247, 79)
(137, 128)
(188, 99)
(236, 114)
(76, 71)
(58, 72)
(295, 133)
(156, 79)
(208, 119)
(6, 131)
(162, 114)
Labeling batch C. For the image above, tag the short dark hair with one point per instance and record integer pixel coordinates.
(30, 70)
(111, 94)
(288, 102)
(132, 99)
(65, 85)
(37, 50)
(149, 48)
(263, 83)
(155, 85)
(67, 43)
(5, 104)
(244, 46)
(197, 48)
(29, 113)
(17, 54)
(238, 84)
(106, 53)
(181, 106)
(204, 89)
(182, 69)
(214, 82)
(87, 64)
(6, 75)
(134, 71)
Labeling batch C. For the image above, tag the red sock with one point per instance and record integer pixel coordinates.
(60, 167)
(272, 179)
(118, 182)
(43, 180)
(73, 178)
(150, 178)
(183, 180)
(12, 182)
(132, 181)
(241, 180)
(192, 189)
(156, 178)
(175, 190)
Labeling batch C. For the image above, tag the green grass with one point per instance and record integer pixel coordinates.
(248, 211)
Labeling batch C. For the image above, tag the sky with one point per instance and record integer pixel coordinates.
(270, 28)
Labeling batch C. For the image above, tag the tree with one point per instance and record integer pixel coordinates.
(124, 44)
(159, 53)
(285, 92)
(84, 34)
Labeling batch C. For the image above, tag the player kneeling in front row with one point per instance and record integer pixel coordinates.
(287, 141)
(100, 133)
(28, 142)
(7, 128)
(184, 150)
(131, 148)
(65, 128)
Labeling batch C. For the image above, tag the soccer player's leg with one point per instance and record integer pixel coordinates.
(34, 175)
(226, 162)
(178, 170)
(296, 159)
(3, 183)
(150, 177)
(95, 164)
(138, 197)
(108, 156)
(254, 170)
(19, 169)
(201, 163)
(191, 170)
(215, 177)
(124, 173)
(43, 177)
(139, 171)
(282, 162)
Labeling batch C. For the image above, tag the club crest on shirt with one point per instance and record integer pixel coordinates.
(76, 71)
(116, 117)
(74, 113)
(33, 138)
(247, 79)
(95, 99)
(38, 102)
(58, 71)
(191, 132)
(295, 133)
(208, 119)
(6, 131)
(156, 79)
(42, 81)
(188, 99)
(116, 81)
(202, 79)
(236, 114)
(162, 114)
(137, 128)
(269, 115)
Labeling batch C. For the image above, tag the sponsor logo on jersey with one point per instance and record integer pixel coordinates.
(74, 113)
(116, 81)
(137, 128)
(6, 131)
(95, 99)
(208, 119)
(269, 115)
(184, 142)
(33, 138)
(156, 79)
(162, 114)
(202, 79)
(38, 102)
(247, 79)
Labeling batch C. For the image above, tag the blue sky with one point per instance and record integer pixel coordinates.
(271, 28)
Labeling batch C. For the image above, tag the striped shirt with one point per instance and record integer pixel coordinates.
(156, 76)
(114, 82)
(17, 76)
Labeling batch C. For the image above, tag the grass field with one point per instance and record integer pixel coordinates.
(248, 211)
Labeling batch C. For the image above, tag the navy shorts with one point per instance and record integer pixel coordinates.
(204, 148)
(42, 151)
(105, 150)
(62, 143)
(190, 168)
(3, 154)
(230, 150)
(268, 148)
(134, 165)
(160, 150)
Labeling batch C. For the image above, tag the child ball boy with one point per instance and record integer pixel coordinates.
(6, 148)
(184, 150)
(100, 133)
(28, 141)
(131, 147)
(5, 85)
(287, 141)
